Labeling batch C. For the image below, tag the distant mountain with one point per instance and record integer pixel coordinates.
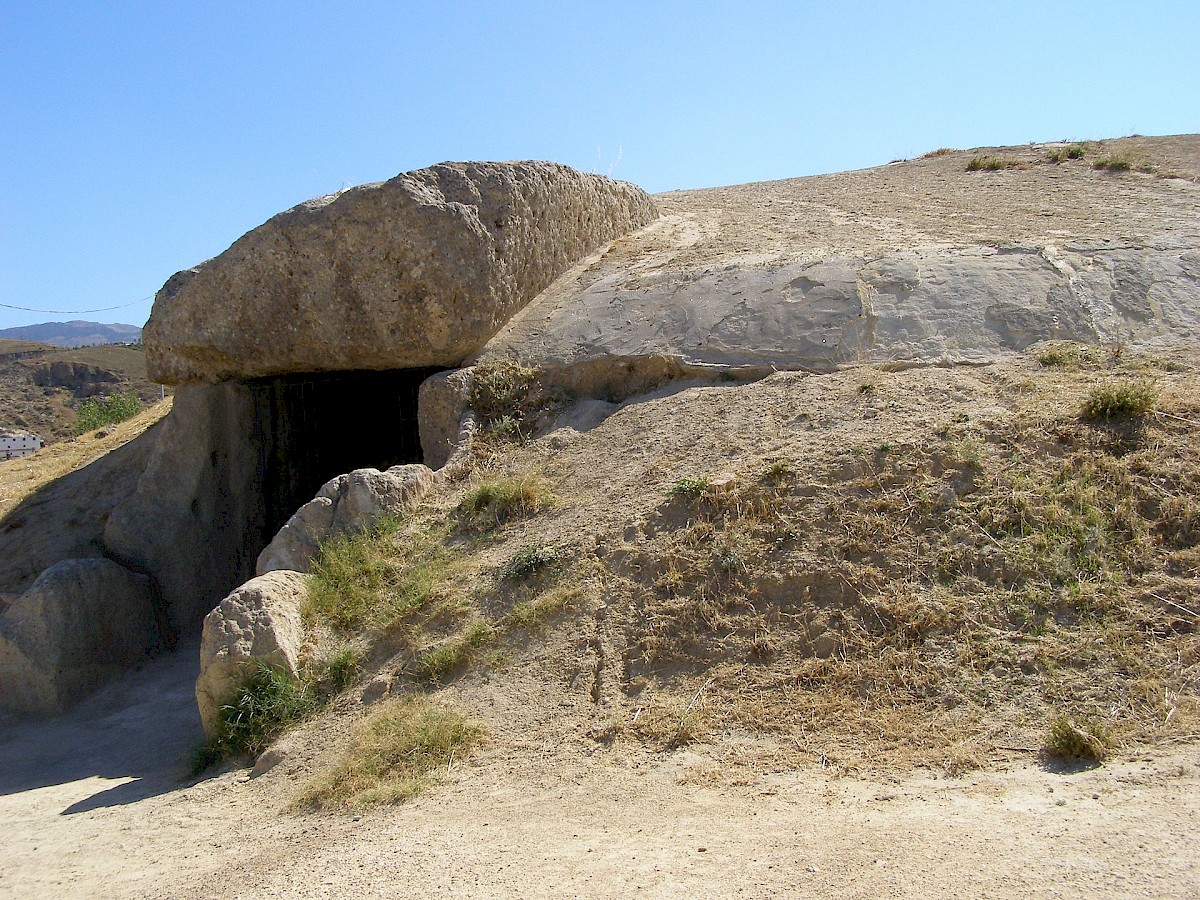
(74, 334)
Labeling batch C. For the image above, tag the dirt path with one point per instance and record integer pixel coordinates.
(92, 804)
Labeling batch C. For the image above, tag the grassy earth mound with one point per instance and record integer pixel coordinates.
(868, 570)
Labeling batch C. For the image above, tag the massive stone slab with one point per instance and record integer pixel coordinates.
(417, 271)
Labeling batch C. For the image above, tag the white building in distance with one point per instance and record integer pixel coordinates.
(14, 445)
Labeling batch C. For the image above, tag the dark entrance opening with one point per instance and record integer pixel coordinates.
(312, 427)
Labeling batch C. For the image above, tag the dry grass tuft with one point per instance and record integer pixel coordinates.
(403, 747)
(1120, 400)
(1067, 739)
(1062, 154)
(503, 390)
(993, 163)
(495, 501)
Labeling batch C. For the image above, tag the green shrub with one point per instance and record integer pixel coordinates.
(97, 412)
(1121, 400)
(690, 487)
(530, 561)
(1069, 355)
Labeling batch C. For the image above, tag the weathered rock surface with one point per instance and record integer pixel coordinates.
(258, 623)
(347, 503)
(914, 263)
(417, 271)
(197, 518)
(83, 379)
(81, 622)
(440, 407)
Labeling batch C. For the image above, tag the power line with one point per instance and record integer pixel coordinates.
(72, 312)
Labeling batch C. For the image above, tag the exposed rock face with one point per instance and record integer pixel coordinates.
(417, 271)
(442, 402)
(81, 378)
(351, 502)
(920, 262)
(82, 621)
(196, 520)
(914, 307)
(257, 623)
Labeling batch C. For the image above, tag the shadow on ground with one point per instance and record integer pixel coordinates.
(142, 726)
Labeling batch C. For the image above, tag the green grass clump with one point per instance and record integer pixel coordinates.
(364, 580)
(434, 665)
(530, 561)
(1068, 739)
(398, 752)
(1121, 400)
(339, 670)
(268, 701)
(690, 487)
(992, 163)
(1062, 154)
(100, 411)
(498, 500)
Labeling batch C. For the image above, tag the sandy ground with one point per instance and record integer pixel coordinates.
(95, 804)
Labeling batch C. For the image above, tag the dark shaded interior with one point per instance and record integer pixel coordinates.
(312, 427)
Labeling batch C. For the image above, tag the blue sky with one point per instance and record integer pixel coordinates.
(142, 138)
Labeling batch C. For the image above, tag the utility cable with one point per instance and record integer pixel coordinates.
(73, 312)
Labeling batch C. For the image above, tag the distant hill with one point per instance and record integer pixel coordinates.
(41, 386)
(74, 334)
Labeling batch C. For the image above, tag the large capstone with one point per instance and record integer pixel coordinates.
(413, 272)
